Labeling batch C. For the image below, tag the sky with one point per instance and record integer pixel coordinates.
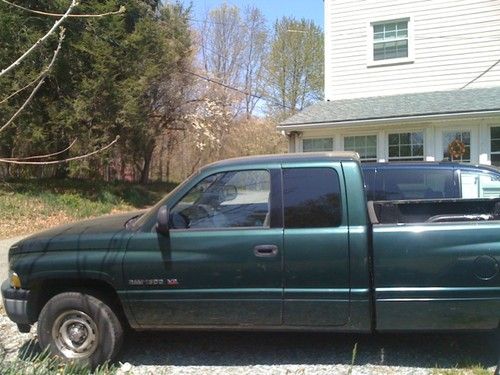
(272, 9)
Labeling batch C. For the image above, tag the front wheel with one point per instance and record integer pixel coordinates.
(80, 328)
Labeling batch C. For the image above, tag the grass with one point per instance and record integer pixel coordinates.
(353, 358)
(472, 370)
(42, 364)
(465, 367)
(31, 205)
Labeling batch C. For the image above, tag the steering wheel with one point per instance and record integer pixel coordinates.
(200, 215)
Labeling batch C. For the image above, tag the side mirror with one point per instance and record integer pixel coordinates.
(162, 219)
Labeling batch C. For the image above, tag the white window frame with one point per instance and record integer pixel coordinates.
(457, 130)
(363, 135)
(396, 61)
(490, 141)
(474, 140)
(317, 137)
(401, 131)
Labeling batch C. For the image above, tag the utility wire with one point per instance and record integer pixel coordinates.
(265, 98)
(49, 14)
(480, 75)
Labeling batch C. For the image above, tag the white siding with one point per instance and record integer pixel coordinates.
(454, 42)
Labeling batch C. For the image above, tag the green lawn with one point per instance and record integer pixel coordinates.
(30, 205)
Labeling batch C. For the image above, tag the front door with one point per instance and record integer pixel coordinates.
(221, 263)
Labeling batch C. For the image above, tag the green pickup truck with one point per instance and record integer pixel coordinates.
(282, 242)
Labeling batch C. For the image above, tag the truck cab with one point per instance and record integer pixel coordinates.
(253, 242)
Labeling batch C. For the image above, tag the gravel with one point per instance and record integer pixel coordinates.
(285, 353)
(4, 249)
(243, 353)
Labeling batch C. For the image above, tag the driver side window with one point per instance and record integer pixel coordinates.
(225, 200)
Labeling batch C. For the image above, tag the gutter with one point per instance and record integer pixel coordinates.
(387, 120)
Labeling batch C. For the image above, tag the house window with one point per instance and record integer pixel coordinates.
(495, 145)
(456, 146)
(406, 146)
(364, 145)
(390, 40)
(317, 144)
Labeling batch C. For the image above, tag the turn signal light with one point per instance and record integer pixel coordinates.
(15, 281)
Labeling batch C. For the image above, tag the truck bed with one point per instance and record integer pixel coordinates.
(436, 264)
(433, 211)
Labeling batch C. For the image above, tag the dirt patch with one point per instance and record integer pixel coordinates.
(14, 227)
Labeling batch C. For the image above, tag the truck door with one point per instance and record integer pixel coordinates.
(220, 264)
(316, 276)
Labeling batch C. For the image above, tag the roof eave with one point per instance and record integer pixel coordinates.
(389, 120)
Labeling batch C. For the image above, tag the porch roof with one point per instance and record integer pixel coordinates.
(483, 101)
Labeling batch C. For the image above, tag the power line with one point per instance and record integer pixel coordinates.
(480, 75)
(265, 98)
(213, 22)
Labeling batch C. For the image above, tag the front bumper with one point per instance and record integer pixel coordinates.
(15, 302)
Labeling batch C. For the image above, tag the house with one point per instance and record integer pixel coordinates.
(407, 80)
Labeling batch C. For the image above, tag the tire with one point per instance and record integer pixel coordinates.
(78, 327)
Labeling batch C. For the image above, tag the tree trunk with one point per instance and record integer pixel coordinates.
(148, 158)
(168, 170)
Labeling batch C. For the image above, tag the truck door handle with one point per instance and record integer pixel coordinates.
(265, 250)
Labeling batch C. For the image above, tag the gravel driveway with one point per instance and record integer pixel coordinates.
(282, 353)
(289, 353)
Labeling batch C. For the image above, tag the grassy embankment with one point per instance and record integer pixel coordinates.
(27, 206)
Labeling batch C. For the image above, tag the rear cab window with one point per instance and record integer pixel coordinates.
(312, 198)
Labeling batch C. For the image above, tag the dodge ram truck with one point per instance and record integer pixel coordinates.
(281, 242)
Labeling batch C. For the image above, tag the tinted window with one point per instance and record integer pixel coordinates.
(225, 200)
(414, 183)
(369, 177)
(311, 198)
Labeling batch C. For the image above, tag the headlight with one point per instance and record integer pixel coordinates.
(15, 281)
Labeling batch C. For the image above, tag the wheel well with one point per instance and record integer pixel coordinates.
(102, 290)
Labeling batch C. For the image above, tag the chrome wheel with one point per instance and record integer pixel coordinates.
(75, 334)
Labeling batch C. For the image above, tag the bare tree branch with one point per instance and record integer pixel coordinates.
(43, 73)
(79, 157)
(23, 88)
(44, 156)
(41, 40)
(42, 77)
(121, 10)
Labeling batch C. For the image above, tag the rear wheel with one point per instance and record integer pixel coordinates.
(81, 328)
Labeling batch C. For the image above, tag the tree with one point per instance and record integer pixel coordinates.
(115, 76)
(254, 56)
(155, 87)
(30, 44)
(295, 66)
(233, 45)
